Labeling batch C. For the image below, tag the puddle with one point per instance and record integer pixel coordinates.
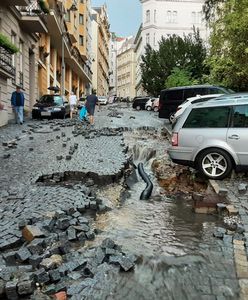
(164, 227)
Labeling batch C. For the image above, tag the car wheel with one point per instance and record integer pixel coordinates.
(214, 163)
(155, 108)
(149, 108)
(138, 107)
(171, 117)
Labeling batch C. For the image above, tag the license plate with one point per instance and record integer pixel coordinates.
(45, 113)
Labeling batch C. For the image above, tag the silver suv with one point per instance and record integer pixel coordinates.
(213, 136)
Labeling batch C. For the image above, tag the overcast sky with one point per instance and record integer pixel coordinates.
(124, 15)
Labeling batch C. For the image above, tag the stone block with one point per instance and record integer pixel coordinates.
(25, 287)
(71, 234)
(90, 235)
(219, 232)
(242, 188)
(108, 243)
(36, 246)
(31, 232)
(11, 290)
(63, 223)
(10, 258)
(82, 228)
(23, 254)
(232, 211)
(41, 276)
(54, 275)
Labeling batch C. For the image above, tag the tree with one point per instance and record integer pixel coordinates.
(211, 8)
(228, 59)
(152, 76)
(179, 77)
(186, 53)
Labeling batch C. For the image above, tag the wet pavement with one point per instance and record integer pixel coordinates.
(178, 257)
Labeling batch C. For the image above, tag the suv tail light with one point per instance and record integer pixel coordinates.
(174, 139)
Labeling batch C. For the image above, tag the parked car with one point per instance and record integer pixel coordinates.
(155, 104)
(149, 103)
(52, 106)
(212, 136)
(190, 101)
(140, 102)
(171, 98)
(103, 100)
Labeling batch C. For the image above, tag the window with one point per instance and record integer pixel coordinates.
(81, 40)
(81, 19)
(13, 40)
(240, 116)
(174, 17)
(193, 17)
(148, 38)
(155, 16)
(168, 16)
(68, 16)
(148, 15)
(210, 117)
(21, 56)
(154, 39)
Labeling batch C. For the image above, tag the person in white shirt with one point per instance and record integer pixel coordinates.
(73, 103)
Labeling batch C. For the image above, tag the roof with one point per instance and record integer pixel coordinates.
(230, 99)
(192, 86)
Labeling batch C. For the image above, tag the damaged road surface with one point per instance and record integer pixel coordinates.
(73, 224)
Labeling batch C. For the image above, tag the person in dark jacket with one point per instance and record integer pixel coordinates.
(17, 102)
(90, 105)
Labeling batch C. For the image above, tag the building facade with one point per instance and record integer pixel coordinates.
(115, 45)
(64, 53)
(163, 18)
(126, 69)
(100, 50)
(138, 43)
(19, 68)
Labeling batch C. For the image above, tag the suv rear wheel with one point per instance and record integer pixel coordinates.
(214, 163)
(138, 107)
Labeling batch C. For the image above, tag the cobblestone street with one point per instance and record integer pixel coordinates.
(69, 223)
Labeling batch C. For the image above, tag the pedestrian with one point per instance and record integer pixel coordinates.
(91, 101)
(73, 103)
(17, 103)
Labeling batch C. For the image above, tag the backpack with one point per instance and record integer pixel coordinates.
(83, 113)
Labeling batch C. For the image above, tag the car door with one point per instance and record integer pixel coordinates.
(237, 136)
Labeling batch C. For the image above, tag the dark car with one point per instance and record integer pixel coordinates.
(51, 106)
(140, 102)
(171, 98)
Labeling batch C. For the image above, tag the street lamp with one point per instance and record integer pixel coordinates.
(73, 8)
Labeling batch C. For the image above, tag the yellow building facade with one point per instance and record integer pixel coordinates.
(100, 49)
(67, 23)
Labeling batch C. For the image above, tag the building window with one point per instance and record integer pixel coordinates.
(154, 39)
(81, 40)
(148, 15)
(155, 16)
(174, 17)
(68, 16)
(169, 16)
(193, 17)
(13, 41)
(81, 19)
(148, 38)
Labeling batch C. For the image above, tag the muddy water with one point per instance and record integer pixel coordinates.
(156, 227)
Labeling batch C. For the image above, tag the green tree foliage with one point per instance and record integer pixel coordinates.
(179, 77)
(211, 7)
(186, 53)
(228, 59)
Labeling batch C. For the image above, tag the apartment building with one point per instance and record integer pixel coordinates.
(138, 43)
(165, 18)
(64, 52)
(19, 68)
(115, 45)
(100, 50)
(126, 69)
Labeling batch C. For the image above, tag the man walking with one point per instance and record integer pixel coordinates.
(90, 105)
(17, 102)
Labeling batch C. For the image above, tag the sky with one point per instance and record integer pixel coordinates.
(124, 15)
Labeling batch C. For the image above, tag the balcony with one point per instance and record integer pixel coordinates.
(16, 2)
(32, 17)
(6, 67)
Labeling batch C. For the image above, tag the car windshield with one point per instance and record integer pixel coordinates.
(51, 99)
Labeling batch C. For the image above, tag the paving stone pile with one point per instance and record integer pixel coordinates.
(47, 258)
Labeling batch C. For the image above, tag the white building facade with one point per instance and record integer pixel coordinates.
(115, 45)
(138, 43)
(126, 70)
(163, 18)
